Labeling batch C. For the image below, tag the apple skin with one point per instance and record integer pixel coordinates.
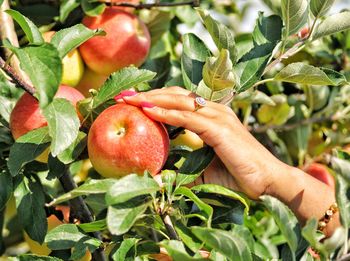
(123, 140)
(27, 116)
(126, 43)
(320, 172)
(90, 80)
(73, 65)
(189, 139)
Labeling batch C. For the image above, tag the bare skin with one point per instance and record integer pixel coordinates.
(242, 163)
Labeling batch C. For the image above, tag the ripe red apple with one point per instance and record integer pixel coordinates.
(27, 116)
(320, 172)
(123, 140)
(127, 42)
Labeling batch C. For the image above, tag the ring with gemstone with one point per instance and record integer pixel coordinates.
(199, 102)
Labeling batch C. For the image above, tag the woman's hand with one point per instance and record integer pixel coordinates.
(249, 167)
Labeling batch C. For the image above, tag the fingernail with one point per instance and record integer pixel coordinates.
(125, 93)
(147, 105)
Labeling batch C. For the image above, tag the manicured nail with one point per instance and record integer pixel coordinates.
(147, 105)
(125, 93)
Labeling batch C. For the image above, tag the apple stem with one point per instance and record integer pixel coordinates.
(194, 3)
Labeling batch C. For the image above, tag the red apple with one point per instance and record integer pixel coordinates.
(127, 42)
(27, 116)
(320, 172)
(123, 140)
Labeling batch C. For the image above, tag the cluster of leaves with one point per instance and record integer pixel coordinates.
(137, 217)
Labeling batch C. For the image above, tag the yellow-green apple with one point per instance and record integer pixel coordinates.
(90, 80)
(128, 9)
(320, 172)
(189, 139)
(127, 41)
(123, 140)
(27, 115)
(73, 65)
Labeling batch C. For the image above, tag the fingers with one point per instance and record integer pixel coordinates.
(192, 121)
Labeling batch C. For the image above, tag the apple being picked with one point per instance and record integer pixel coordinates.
(123, 140)
(127, 41)
(320, 172)
(27, 116)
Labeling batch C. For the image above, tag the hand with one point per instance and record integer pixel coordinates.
(251, 167)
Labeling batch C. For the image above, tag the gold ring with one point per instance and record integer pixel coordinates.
(199, 102)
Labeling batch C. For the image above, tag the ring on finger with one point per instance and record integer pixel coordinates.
(199, 102)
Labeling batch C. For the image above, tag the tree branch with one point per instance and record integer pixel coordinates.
(194, 3)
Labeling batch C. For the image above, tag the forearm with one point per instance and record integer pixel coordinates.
(306, 196)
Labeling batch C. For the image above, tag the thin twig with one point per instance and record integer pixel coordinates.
(194, 3)
(170, 227)
(7, 31)
(12, 73)
(81, 211)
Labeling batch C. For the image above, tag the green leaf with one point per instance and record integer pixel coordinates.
(161, 66)
(70, 38)
(193, 58)
(206, 211)
(221, 34)
(63, 237)
(285, 220)
(6, 188)
(341, 166)
(56, 168)
(342, 188)
(320, 7)
(267, 29)
(227, 243)
(121, 80)
(194, 165)
(66, 7)
(98, 225)
(124, 248)
(121, 217)
(252, 65)
(33, 257)
(294, 14)
(43, 66)
(92, 8)
(220, 190)
(187, 237)
(308, 74)
(333, 24)
(27, 148)
(90, 187)
(168, 179)
(74, 150)
(309, 232)
(83, 245)
(30, 202)
(129, 187)
(32, 32)
(157, 22)
(63, 124)
(177, 251)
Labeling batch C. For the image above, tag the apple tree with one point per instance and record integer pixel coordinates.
(287, 80)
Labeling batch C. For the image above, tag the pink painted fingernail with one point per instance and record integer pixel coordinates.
(147, 105)
(125, 93)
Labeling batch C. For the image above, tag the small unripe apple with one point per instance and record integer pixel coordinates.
(27, 115)
(123, 140)
(127, 42)
(73, 66)
(320, 172)
(189, 139)
(90, 80)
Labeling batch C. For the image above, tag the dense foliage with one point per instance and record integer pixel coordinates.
(289, 85)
